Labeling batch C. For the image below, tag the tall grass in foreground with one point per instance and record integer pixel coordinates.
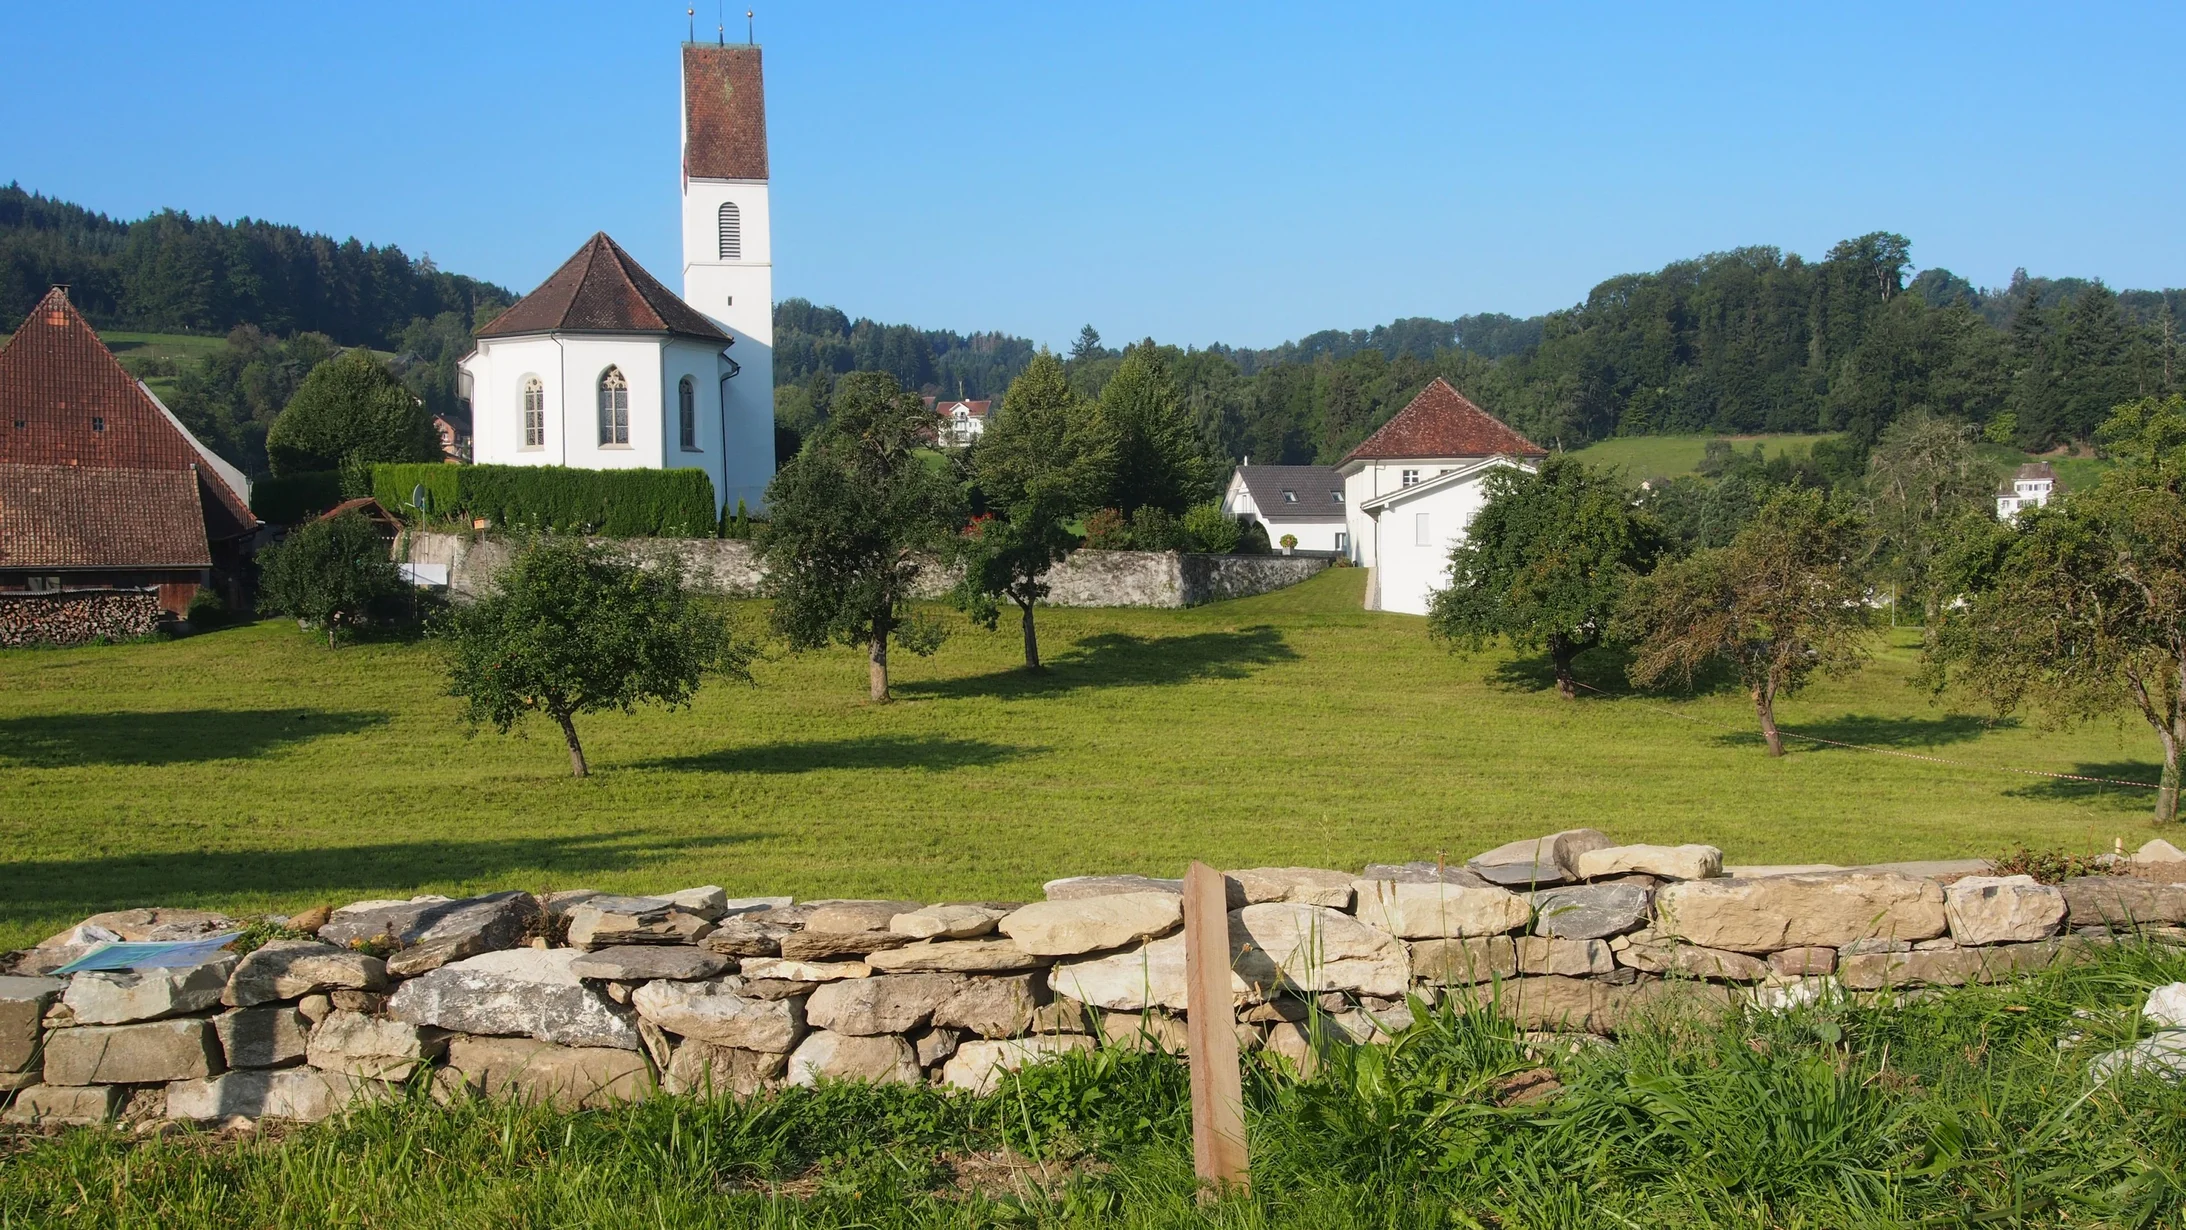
(1951, 1109)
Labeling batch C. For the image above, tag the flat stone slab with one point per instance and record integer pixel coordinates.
(1538, 861)
(880, 1059)
(1134, 980)
(117, 997)
(1297, 885)
(23, 1004)
(1442, 909)
(603, 922)
(746, 936)
(1310, 949)
(1423, 872)
(983, 956)
(1589, 911)
(66, 1105)
(1078, 888)
(717, 1012)
(485, 923)
(1687, 862)
(1071, 926)
(896, 1004)
(153, 1052)
(528, 1070)
(851, 916)
(1462, 962)
(1985, 909)
(803, 971)
(976, 1067)
(989, 1007)
(291, 969)
(378, 1048)
(1796, 911)
(270, 1037)
(645, 962)
(303, 1094)
(813, 945)
(520, 991)
(946, 922)
(703, 1068)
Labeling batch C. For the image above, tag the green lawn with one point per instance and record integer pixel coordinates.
(1645, 457)
(251, 768)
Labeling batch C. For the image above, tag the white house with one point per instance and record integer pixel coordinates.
(603, 367)
(1304, 501)
(962, 421)
(1413, 486)
(2030, 487)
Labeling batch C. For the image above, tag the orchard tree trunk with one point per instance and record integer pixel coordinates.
(2167, 793)
(876, 654)
(1032, 639)
(576, 750)
(1764, 704)
(1560, 652)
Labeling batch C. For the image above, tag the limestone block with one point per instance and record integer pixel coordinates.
(152, 1052)
(703, 1068)
(1145, 1031)
(1956, 967)
(2162, 1054)
(895, 1004)
(1591, 1004)
(746, 937)
(1481, 958)
(2166, 1006)
(270, 1037)
(645, 962)
(1590, 911)
(315, 1007)
(981, 956)
(304, 1094)
(811, 945)
(1000, 1007)
(1092, 924)
(23, 1003)
(847, 917)
(604, 922)
(1078, 888)
(1422, 872)
(737, 907)
(932, 1046)
(1689, 862)
(1574, 958)
(1646, 950)
(1803, 962)
(946, 922)
(882, 1059)
(1714, 964)
(978, 1066)
(1538, 862)
(66, 1105)
(713, 1011)
(770, 968)
(434, 933)
(1151, 975)
(1312, 948)
(2121, 901)
(12, 1081)
(709, 901)
(1793, 911)
(1300, 885)
(528, 1070)
(373, 1047)
(117, 997)
(518, 991)
(2002, 909)
(290, 969)
(1438, 910)
(2157, 850)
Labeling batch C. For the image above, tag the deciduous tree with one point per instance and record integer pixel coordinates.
(1777, 605)
(350, 407)
(1925, 482)
(331, 575)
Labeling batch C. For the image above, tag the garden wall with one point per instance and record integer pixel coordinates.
(587, 998)
(1087, 579)
(77, 618)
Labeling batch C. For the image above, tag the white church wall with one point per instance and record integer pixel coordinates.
(584, 361)
(498, 371)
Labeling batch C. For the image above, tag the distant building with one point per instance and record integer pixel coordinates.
(1413, 486)
(454, 430)
(102, 489)
(1306, 502)
(2030, 487)
(961, 421)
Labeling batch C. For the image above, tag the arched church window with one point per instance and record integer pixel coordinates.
(534, 412)
(687, 413)
(614, 407)
(732, 232)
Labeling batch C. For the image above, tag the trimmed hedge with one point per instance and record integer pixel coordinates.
(618, 503)
(291, 498)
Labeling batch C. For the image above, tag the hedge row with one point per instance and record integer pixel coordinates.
(292, 498)
(619, 503)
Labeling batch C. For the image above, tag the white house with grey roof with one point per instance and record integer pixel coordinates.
(1304, 501)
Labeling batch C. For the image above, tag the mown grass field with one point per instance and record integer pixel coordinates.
(252, 769)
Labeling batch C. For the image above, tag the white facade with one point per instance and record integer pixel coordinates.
(1313, 533)
(1410, 528)
(1365, 481)
(962, 422)
(728, 274)
(2025, 491)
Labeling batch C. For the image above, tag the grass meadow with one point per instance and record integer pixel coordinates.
(253, 769)
(1655, 457)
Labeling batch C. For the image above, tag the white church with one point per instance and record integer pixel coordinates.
(603, 368)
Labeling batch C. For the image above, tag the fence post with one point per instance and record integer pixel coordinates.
(1218, 1094)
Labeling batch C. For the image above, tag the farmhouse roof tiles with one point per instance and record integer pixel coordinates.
(66, 401)
(724, 113)
(1441, 422)
(602, 290)
(69, 517)
(1317, 488)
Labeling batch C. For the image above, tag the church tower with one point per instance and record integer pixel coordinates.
(728, 268)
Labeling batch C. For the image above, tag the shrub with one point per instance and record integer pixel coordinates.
(738, 524)
(1252, 537)
(207, 610)
(1207, 529)
(1156, 529)
(1105, 531)
(288, 499)
(333, 575)
(350, 404)
(1290, 542)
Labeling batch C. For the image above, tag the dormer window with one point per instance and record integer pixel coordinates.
(1290, 497)
(1335, 497)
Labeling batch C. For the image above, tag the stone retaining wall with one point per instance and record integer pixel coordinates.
(77, 618)
(587, 998)
(1087, 579)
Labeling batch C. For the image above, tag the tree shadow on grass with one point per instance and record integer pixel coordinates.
(1120, 660)
(2106, 795)
(179, 736)
(1600, 670)
(931, 752)
(43, 889)
(1877, 730)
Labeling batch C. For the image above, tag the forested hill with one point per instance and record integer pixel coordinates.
(172, 273)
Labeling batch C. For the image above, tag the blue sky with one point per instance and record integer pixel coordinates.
(1199, 173)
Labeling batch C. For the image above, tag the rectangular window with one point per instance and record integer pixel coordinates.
(1419, 530)
(1411, 477)
(1343, 541)
(534, 415)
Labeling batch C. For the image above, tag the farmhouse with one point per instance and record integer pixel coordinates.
(2030, 487)
(1306, 502)
(1413, 486)
(109, 507)
(961, 421)
(603, 367)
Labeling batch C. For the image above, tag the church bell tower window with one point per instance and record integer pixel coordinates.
(614, 408)
(732, 232)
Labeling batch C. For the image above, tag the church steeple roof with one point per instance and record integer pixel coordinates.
(724, 112)
(602, 290)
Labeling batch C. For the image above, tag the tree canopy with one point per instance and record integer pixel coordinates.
(332, 575)
(350, 409)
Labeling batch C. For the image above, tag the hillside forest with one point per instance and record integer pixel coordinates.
(1751, 340)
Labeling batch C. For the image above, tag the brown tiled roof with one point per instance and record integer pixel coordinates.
(1440, 422)
(977, 409)
(724, 113)
(67, 517)
(602, 290)
(66, 401)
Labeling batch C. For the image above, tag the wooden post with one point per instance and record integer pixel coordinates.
(1218, 1092)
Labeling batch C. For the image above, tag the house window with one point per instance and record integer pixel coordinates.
(534, 413)
(614, 408)
(1290, 497)
(44, 585)
(732, 232)
(1420, 536)
(687, 413)
(1343, 541)
(1411, 478)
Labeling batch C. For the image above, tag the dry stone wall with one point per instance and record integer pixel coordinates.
(585, 998)
(1087, 579)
